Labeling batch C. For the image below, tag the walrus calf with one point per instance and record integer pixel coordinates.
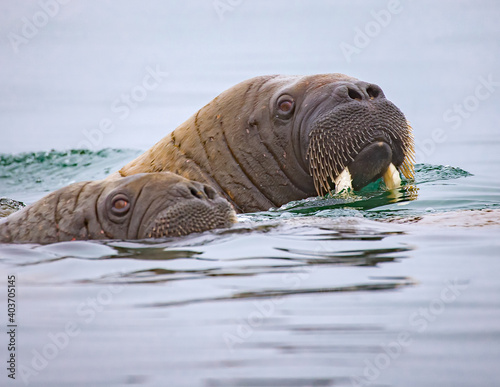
(136, 207)
(273, 139)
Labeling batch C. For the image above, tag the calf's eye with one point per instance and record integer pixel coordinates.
(120, 205)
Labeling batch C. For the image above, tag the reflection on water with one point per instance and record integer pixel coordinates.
(281, 293)
(279, 274)
(258, 307)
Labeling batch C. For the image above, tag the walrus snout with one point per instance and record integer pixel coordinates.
(202, 209)
(358, 139)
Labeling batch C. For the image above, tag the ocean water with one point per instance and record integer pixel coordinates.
(347, 290)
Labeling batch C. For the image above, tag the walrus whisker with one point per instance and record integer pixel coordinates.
(344, 141)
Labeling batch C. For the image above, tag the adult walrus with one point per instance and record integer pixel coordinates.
(273, 139)
(141, 206)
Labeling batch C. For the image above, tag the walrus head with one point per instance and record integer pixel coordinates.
(160, 205)
(273, 139)
(347, 134)
(146, 205)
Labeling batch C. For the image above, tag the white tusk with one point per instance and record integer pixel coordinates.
(343, 181)
(391, 177)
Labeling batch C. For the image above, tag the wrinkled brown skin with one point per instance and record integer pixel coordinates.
(160, 205)
(249, 151)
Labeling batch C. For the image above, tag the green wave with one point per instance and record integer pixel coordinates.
(426, 173)
(368, 201)
(29, 176)
(42, 172)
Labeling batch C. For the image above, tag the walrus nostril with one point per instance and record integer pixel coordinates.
(210, 192)
(354, 94)
(195, 192)
(372, 91)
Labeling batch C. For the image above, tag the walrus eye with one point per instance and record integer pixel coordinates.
(120, 204)
(286, 104)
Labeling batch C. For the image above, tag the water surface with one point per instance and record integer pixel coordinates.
(338, 291)
(321, 292)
